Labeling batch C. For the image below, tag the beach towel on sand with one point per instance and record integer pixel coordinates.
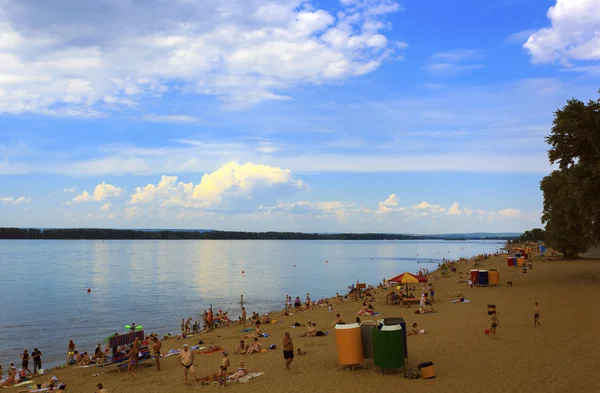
(458, 301)
(249, 377)
(247, 330)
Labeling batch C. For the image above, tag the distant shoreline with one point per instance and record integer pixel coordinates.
(124, 234)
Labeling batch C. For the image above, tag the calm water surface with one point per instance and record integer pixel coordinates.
(43, 284)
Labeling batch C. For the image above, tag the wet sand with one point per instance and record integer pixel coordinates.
(561, 356)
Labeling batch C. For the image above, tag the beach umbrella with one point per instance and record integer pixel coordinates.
(405, 278)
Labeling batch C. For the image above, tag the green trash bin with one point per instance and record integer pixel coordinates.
(388, 347)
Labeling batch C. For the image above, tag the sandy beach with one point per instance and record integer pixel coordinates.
(561, 356)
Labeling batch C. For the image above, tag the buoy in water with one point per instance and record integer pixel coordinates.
(294, 265)
(242, 272)
(89, 290)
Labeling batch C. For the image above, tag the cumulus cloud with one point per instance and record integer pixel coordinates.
(74, 58)
(425, 209)
(102, 192)
(106, 206)
(233, 187)
(337, 209)
(14, 201)
(574, 33)
(454, 210)
(389, 205)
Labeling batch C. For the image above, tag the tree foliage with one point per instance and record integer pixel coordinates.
(572, 192)
(534, 235)
(127, 234)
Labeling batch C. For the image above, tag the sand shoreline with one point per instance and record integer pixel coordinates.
(557, 357)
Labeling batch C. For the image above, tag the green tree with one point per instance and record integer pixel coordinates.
(571, 193)
(534, 235)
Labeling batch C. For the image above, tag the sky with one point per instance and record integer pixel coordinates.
(414, 116)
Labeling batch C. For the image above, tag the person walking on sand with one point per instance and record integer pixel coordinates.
(536, 316)
(223, 368)
(288, 350)
(187, 361)
(244, 317)
(470, 284)
(156, 348)
(495, 324)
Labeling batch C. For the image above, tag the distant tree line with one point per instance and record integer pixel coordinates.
(125, 234)
(571, 210)
(534, 235)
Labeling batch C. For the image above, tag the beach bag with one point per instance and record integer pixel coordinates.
(320, 333)
(412, 374)
(297, 324)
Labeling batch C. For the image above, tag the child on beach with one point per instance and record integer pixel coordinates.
(536, 316)
(223, 368)
(495, 324)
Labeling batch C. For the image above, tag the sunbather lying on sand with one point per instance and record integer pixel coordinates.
(457, 295)
(212, 349)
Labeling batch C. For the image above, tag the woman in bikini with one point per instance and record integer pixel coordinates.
(241, 372)
(132, 356)
(536, 316)
(256, 347)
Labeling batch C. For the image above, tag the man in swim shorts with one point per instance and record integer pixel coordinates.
(288, 350)
(187, 361)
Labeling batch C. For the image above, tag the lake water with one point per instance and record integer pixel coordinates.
(43, 283)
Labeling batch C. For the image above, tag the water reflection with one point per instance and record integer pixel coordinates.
(156, 283)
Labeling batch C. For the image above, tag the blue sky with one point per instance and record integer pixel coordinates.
(340, 115)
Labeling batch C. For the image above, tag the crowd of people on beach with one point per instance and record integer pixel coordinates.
(250, 343)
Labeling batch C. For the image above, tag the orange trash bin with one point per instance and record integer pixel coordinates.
(493, 277)
(349, 344)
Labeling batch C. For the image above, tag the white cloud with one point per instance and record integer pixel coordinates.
(172, 119)
(574, 33)
(132, 212)
(14, 201)
(435, 211)
(454, 210)
(453, 63)
(73, 59)
(106, 206)
(233, 187)
(72, 189)
(102, 192)
(339, 210)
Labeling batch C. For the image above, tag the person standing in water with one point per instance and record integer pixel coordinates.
(536, 316)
